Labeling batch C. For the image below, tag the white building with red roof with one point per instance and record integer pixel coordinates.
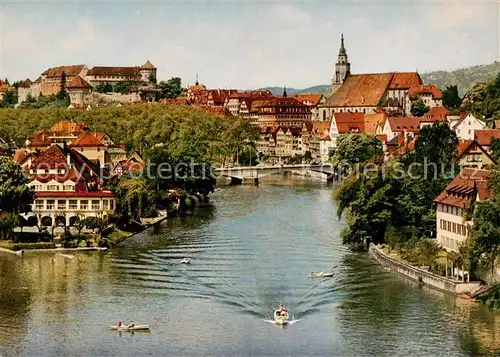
(457, 202)
(466, 126)
(67, 184)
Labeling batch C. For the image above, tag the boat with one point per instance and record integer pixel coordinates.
(134, 328)
(281, 317)
(186, 261)
(321, 275)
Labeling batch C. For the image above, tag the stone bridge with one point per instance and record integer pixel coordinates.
(251, 174)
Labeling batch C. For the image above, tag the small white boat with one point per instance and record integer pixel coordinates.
(134, 328)
(321, 275)
(186, 261)
(281, 317)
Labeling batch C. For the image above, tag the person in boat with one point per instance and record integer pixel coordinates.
(282, 309)
(120, 324)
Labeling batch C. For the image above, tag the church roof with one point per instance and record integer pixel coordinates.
(366, 90)
(68, 70)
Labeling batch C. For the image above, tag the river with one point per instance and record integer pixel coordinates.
(251, 250)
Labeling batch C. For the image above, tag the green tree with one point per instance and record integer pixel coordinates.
(9, 99)
(451, 98)
(355, 148)
(171, 88)
(63, 93)
(15, 196)
(418, 108)
(104, 87)
(8, 221)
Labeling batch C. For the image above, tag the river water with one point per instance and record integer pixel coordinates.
(251, 250)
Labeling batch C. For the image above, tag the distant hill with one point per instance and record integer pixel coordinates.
(464, 78)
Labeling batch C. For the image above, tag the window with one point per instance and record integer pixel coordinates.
(105, 204)
(454, 227)
(73, 204)
(38, 187)
(84, 204)
(61, 204)
(112, 204)
(39, 204)
(449, 226)
(50, 204)
(52, 187)
(96, 205)
(69, 187)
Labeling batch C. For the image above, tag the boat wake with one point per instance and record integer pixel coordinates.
(290, 322)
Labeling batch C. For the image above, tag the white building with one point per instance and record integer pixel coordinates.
(466, 125)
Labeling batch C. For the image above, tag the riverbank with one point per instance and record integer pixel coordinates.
(422, 276)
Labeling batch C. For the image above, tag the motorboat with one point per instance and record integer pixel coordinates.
(281, 317)
(133, 328)
(321, 275)
(186, 261)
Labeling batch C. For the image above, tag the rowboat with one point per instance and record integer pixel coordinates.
(281, 317)
(134, 328)
(321, 275)
(186, 261)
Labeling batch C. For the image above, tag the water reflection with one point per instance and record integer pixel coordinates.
(252, 250)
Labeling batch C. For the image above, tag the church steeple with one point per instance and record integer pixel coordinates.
(284, 91)
(342, 67)
(342, 51)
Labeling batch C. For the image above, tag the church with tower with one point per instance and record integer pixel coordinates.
(365, 93)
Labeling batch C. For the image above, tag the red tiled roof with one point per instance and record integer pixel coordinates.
(68, 126)
(405, 80)
(486, 136)
(86, 139)
(401, 124)
(464, 187)
(223, 111)
(78, 83)
(425, 89)
(68, 70)
(51, 158)
(20, 156)
(322, 127)
(463, 145)
(382, 138)
(372, 121)
(26, 83)
(349, 122)
(309, 99)
(435, 114)
(74, 194)
(114, 71)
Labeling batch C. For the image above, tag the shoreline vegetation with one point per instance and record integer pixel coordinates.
(190, 140)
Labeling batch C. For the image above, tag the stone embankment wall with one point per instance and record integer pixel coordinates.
(423, 276)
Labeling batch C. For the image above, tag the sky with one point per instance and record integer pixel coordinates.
(248, 44)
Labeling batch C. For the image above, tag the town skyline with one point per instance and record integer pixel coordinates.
(248, 45)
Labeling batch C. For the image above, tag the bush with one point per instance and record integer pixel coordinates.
(30, 237)
(104, 242)
(69, 244)
(42, 245)
(107, 231)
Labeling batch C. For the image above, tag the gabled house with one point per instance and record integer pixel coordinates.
(346, 123)
(406, 126)
(428, 93)
(92, 148)
(473, 155)
(466, 126)
(455, 205)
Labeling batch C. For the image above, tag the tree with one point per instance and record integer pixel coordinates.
(9, 99)
(79, 223)
(485, 233)
(418, 108)
(171, 88)
(124, 87)
(132, 197)
(8, 221)
(152, 78)
(451, 99)
(15, 196)
(104, 87)
(62, 94)
(355, 148)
